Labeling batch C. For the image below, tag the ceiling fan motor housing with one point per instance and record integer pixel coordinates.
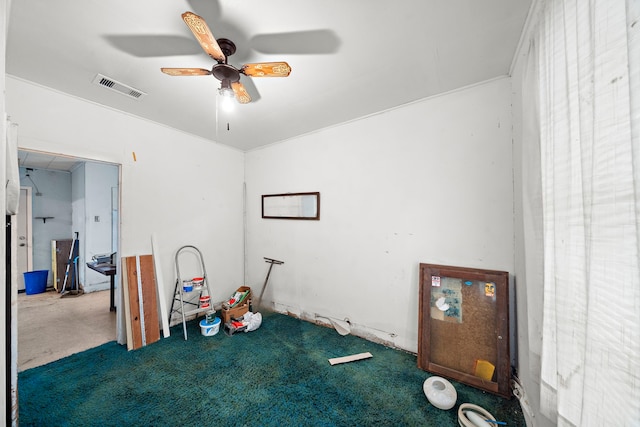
(227, 46)
(225, 72)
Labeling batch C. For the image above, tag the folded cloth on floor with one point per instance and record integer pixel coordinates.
(252, 321)
(247, 323)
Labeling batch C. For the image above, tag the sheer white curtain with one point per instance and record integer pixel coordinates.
(12, 175)
(587, 54)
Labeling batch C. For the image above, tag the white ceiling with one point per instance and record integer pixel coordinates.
(349, 58)
(35, 160)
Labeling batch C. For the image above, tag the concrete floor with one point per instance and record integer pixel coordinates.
(51, 327)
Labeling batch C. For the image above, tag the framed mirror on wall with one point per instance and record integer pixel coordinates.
(304, 206)
(463, 330)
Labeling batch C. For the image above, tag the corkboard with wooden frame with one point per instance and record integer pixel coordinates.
(463, 330)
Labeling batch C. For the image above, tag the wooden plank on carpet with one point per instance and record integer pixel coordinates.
(352, 358)
(125, 297)
(152, 324)
(162, 299)
(140, 293)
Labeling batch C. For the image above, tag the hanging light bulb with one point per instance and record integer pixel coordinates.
(227, 96)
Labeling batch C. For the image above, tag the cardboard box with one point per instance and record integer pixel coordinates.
(239, 310)
(234, 313)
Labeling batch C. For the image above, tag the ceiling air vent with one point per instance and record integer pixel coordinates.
(116, 86)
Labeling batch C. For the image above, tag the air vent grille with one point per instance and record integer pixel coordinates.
(116, 86)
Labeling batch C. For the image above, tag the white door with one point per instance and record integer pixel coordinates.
(25, 247)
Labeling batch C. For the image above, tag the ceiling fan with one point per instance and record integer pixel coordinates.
(220, 50)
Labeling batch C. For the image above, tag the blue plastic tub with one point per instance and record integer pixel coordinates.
(35, 282)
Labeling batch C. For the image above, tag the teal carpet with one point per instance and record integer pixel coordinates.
(278, 375)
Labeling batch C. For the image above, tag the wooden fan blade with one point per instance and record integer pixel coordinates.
(266, 69)
(241, 93)
(186, 71)
(204, 36)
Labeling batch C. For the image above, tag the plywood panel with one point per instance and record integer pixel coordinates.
(141, 308)
(60, 250)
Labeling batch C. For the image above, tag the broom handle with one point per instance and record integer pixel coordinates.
(264, 286)
(66, 274)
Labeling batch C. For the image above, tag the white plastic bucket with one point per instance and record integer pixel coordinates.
(187, 285)
(197, 282)
(205, 301)
(210, 329)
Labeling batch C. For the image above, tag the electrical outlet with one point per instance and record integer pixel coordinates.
(96, 218)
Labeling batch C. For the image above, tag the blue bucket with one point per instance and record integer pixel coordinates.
(35, 282)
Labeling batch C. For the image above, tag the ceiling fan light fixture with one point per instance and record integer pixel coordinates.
(227, 97)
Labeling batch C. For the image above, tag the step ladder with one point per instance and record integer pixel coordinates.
(186, 304)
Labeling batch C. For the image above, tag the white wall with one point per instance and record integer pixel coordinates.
(78, 207)
(55, 202)
(429, 182)
(100, 178)
(184, 189)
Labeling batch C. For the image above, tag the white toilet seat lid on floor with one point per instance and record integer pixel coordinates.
(440, 392)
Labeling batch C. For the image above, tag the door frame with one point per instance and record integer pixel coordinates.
(29, 226)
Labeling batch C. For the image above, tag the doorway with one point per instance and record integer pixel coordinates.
(69, 197)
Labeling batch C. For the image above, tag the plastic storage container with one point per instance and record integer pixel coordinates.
(210, 329)
(35, 282)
